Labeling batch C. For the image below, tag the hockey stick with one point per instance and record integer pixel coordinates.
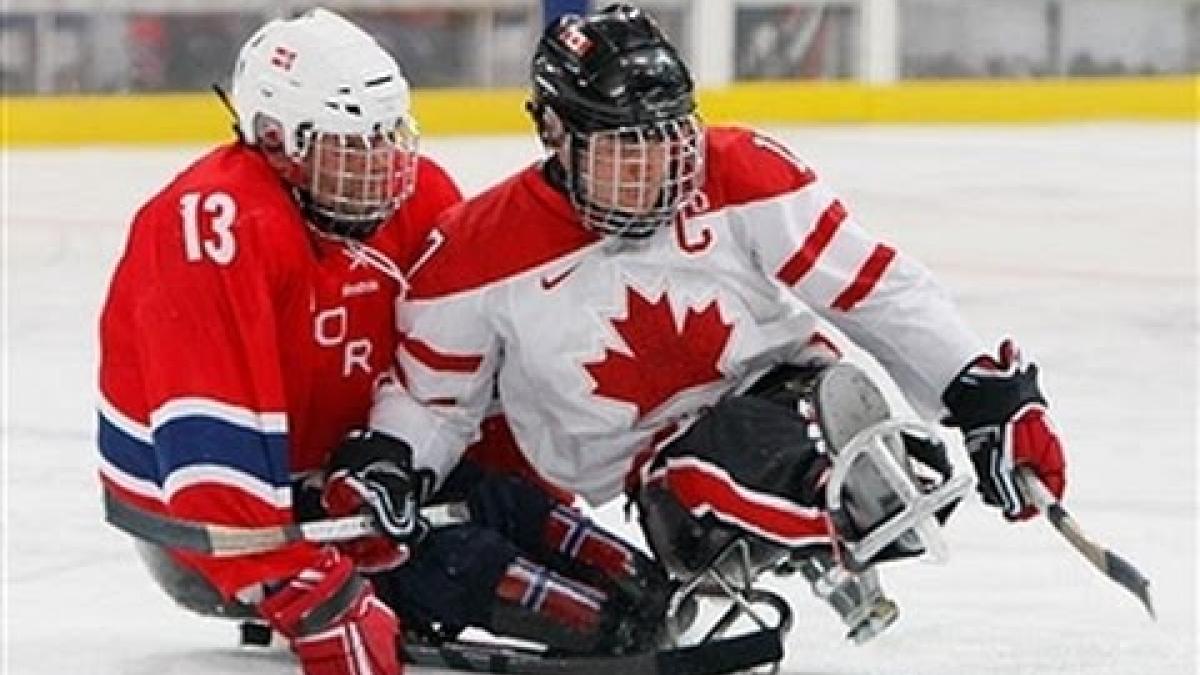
(1109, 563)
(224, 541)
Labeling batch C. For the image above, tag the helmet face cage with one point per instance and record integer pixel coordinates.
(631, 181)
(351, 183)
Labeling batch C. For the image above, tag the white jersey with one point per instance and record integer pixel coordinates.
(600, 349)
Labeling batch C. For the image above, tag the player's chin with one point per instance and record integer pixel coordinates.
(634, 206)
(353, 208)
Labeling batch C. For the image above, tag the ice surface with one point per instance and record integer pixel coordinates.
(1079, 239)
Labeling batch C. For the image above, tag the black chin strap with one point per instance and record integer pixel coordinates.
(555, 174)
(221, 94)
(327, 224)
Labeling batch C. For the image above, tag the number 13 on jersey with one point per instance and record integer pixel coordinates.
(207, 222)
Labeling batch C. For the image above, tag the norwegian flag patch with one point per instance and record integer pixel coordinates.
(283, 58)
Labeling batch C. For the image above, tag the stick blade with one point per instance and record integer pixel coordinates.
(1122, 572)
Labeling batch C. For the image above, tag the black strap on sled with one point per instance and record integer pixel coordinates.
(724, 655)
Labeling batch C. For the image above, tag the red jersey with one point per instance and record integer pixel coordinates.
(237, 347)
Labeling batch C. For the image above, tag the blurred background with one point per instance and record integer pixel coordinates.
(870, 60)
(58, 46)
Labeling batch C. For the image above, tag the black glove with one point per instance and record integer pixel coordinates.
(372, 473)
(997, 404)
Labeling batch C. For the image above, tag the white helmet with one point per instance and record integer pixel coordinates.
(330, 109)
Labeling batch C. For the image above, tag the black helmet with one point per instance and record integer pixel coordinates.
(611, 69)
(615, 73)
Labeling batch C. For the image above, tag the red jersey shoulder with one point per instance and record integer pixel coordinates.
(746, 166)
(236, 169)
(516, 225)
(404, 236)
(226, 214)
(436, 189)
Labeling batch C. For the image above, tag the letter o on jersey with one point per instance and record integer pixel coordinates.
(330, 326)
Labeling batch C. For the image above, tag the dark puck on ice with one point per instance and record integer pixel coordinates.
(255, 634)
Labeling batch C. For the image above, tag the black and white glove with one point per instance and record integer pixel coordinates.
(372, 473)
(997, 404)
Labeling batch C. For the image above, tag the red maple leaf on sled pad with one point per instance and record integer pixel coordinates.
(662, 358)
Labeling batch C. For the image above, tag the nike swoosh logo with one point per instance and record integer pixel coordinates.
(549, 283)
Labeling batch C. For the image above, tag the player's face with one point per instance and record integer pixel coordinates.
(641, 173)
(354, 174)
(624, 171)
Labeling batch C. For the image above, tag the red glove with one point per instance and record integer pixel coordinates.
(342, 496)
(998, 406)
(371, 473)
(334, 621)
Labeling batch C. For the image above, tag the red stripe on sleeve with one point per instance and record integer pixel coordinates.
(814, 244)
(435, 360)
(819, 338)
(133, 498)
(868, 275)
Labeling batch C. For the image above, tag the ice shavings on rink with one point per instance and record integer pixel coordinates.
(1078, 239)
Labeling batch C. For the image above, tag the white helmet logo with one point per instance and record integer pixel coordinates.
(575, 40)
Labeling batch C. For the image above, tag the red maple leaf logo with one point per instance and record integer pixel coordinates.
(662, 359)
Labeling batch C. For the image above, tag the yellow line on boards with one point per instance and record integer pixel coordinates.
(200, 117)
